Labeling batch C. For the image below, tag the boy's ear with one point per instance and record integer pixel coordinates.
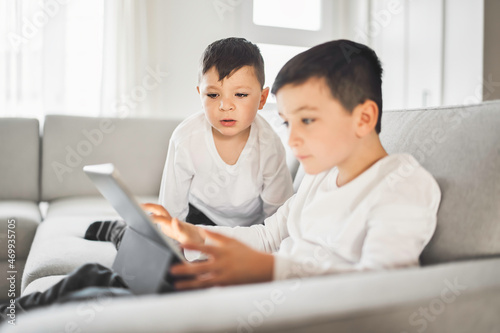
(263, 97)
(366, 117)
(198, 89)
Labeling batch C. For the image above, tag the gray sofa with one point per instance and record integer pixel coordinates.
(457, 288)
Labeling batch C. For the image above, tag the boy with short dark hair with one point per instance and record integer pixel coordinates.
(225, 166)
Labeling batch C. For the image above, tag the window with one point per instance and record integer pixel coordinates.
(293, 14)
(284, 28)
(275, 56)
(50, 57)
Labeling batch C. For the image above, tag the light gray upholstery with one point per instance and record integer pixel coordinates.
(43, 283)
(460, 146)
(27, 218)
(19, 159)
(138, 148)
(19, 192)
(23, 217)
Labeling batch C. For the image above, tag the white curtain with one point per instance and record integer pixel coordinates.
(20, 60)
(85, 57)
(125, 59)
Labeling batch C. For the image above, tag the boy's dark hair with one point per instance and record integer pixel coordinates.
(229, 55)
(351, 70)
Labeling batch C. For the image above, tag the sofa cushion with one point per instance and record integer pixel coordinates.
(59, 246)
(460, 146)
(42, 284)
(138, 147)
(19, 159)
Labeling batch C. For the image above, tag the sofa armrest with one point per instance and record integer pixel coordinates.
(22, 218)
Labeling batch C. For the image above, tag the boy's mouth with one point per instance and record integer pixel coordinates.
(228, 122)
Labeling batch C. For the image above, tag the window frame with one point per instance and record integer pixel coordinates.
(288, 36)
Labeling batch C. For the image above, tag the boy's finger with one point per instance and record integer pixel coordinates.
(157, 209)
(203, 281)
(160, 219)
(220, 238)
(148, 206)
(207, 249)
(195, 269)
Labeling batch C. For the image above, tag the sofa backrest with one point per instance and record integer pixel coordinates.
(460, 146)
(137, 147)
(19, 159)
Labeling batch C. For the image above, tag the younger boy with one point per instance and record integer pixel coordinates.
(357, 209)
(225, 165)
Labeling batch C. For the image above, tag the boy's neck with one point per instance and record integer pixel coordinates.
(230, 147)
(367, 153)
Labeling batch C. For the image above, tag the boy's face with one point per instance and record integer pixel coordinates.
(322, 131)
(230, 105)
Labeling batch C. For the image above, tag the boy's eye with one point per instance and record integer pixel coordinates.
(212, 95)
(307, 121)
(241, 95)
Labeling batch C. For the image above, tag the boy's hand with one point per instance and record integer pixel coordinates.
(156, 210)
(230, 262)
(180, 231)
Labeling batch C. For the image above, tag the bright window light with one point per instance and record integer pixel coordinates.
(84, 56)
(294, 14)
(275, 56)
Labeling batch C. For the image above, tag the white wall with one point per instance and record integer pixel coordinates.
(431, 51)
(181, 29)
(463, 57)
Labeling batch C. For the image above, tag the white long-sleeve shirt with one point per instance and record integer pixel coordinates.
(380, 220)
(230, 195)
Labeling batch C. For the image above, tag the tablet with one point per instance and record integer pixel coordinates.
(107, 180)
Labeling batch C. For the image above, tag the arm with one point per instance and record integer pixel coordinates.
(229, 262)
(277, 182)
(396, 234)
(265, 237)
(176, 181)
(235, 255)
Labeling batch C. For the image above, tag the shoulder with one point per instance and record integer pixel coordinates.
(404, 179)
(189, 128)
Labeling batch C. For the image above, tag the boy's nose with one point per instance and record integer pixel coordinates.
(226, 105)
(293, 137)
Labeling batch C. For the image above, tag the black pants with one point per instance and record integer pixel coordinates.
(90, 281)
(195, 216)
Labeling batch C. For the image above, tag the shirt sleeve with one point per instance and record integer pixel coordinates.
(397, 231)
(176, 181)
(277, 181)
(265, 237)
